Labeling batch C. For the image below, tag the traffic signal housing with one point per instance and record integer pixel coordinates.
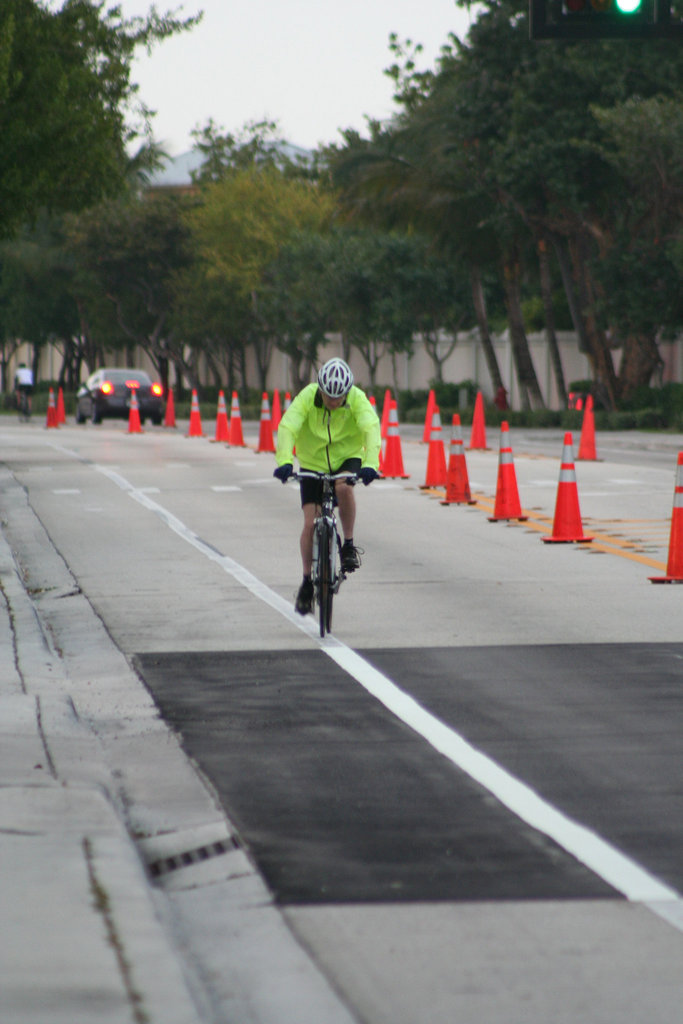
(603, 19)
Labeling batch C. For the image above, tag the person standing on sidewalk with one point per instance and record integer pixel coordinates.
(334, 428)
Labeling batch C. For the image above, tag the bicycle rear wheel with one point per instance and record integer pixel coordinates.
(325, 593)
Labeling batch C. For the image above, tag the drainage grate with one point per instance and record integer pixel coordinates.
(165, 865)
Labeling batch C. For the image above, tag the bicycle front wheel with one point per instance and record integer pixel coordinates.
(325, 592)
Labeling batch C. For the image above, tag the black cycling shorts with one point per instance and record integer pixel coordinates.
(311, 490)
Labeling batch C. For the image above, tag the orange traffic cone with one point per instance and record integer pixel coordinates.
(567, 525)
(386, 409)
(431, 402)
(288, 402)
(169, 415)
(436, 456)
(222, 432)
(587, 442)
(507, 504)
(276, 414)
(51, 419)
(674, 568)
(478, 435)
(265, 437)
(457, 480)
(134, 425)
(393, 456)
(61, 414)
(195, 418)
(236, 435)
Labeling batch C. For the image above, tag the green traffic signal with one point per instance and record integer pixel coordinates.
(604, 19)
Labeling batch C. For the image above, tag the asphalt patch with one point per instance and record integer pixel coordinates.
(336, 799)
(595, 729)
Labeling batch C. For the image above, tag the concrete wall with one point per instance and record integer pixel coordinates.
(465, 363)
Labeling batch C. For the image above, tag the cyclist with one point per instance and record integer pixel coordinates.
(23, 385)
(333, 427)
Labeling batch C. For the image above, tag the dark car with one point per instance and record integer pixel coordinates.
(107, 394)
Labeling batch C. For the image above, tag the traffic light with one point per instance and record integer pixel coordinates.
(603, 19)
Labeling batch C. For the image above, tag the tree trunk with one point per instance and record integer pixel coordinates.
(564, 263)
(479, 302)
(242, 358)
(432, 345)
(640, 359)
(214, 369)
(551, 336)
(530, 391)
(598, 350)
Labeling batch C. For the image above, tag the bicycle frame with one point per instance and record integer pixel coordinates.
(327, 574)
(23, 406)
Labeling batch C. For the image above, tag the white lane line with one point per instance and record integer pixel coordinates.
(600, 856)
(614, 867)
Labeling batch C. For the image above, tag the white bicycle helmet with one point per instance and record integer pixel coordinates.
(335, 378)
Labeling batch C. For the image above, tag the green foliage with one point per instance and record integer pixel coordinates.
(128, 255)
(504, 147)
(509, 141)
(66, 98)
(299, 295)
(257, 145)
(246, 217)
(534, 312)
(36, 295)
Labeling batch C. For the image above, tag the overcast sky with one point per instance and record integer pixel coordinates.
(314, 66)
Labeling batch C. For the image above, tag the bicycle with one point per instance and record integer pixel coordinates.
(327, 574)
(23, 407)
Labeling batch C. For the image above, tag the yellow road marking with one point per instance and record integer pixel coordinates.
(606, 542)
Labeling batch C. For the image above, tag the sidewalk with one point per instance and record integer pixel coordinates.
(86, 764)
(82, 940)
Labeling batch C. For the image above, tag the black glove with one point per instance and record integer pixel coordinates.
(283, 473)
(368, 474)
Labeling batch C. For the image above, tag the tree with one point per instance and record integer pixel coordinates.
(240, 227)
(211, 318)
(548, 158)
(641, 284)
(37, 302)
(128, 254)
(384, 286)
(407, 174)
(502, 146)
(68, 107)
(300, 297)
(258, 144)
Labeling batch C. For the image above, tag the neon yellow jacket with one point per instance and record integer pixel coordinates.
(325, 438)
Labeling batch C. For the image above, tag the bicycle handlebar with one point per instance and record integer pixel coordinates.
(351, 478)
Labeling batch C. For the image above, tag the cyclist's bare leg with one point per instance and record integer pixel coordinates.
(306, 541)
(346, 501)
